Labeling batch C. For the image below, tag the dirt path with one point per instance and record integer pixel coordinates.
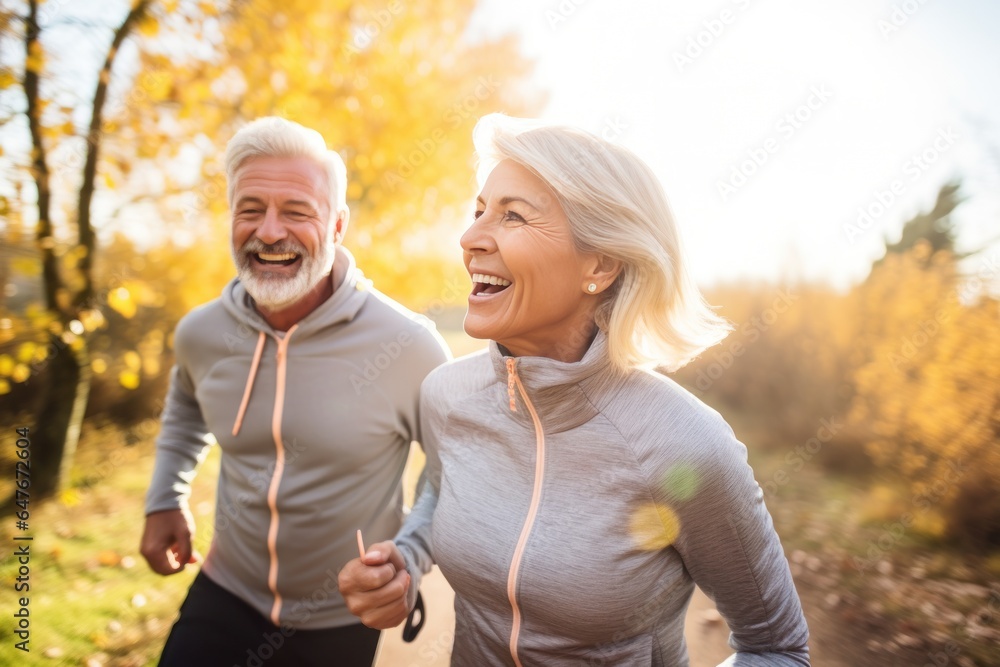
(706, 641)
(832, 642)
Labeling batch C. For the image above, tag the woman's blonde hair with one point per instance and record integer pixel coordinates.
(653, 314)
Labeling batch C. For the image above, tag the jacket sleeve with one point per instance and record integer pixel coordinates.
(414, 539)
(729, 545)
(182, 444)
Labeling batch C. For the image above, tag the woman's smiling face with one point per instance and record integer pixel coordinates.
(529, 280)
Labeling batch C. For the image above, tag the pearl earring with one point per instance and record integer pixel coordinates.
(592, 287)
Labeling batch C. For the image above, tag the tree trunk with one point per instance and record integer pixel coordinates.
(67, 376)
(57, 427)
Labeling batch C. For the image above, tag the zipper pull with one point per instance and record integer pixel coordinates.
(511, 374)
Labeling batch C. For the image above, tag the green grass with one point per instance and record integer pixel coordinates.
(92, 595)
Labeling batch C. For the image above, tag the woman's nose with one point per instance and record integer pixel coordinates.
(478, 238)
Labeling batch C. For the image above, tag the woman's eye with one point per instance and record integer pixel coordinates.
(511, 216)
(476, 215)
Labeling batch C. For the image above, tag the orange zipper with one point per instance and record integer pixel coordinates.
(279, 469)
(536, 494)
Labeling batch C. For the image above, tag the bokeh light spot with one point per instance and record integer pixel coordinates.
(654, 526)
(681, 481)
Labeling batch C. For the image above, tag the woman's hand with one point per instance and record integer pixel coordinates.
(375, 587)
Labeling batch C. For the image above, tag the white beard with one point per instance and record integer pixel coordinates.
(275, 291)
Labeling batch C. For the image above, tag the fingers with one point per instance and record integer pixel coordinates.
(162, 559)
(159, 561)
(375, 587)
(357, 577)
(166, 542)
(182, 550)
(382, 552)
(394, 555)
(386, 607)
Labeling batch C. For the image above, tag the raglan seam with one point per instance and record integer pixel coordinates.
(646, 483)
(760, 594)
(628, 446)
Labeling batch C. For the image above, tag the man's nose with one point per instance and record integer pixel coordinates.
(271, 229)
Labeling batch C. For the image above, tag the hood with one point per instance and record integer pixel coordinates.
(342, 306)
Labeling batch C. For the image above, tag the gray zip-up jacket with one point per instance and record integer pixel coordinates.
(315, 425)
(573, 510)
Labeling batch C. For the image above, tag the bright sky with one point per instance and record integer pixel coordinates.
(835, 99)
(697, 105)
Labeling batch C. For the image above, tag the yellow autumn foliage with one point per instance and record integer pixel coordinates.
(395, 87)
(905, 364)
(928, 395)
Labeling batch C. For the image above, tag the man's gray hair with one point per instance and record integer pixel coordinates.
(272, 136)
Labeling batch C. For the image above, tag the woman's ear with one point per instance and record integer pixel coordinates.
(600, 270)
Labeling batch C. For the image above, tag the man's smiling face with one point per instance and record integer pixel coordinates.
(282, 235)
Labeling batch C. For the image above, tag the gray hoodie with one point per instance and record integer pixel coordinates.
(315, 425)
(573, 509)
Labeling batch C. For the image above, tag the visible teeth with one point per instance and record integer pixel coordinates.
(489, 280)
(283, 257)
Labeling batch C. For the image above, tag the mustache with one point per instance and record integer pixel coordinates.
(255, 245)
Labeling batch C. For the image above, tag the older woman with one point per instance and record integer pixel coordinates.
(574, 497)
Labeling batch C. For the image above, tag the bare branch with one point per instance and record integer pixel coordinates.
(39, 165)
(84, 226)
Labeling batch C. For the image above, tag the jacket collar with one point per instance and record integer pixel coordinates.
(343, 305)
(556, 389)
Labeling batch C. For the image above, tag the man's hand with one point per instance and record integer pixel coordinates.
(375, 587)
(166, 541)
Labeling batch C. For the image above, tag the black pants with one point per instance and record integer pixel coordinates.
(217, 629)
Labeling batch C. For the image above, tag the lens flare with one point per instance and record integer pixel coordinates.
(681, 481)
(654, 526)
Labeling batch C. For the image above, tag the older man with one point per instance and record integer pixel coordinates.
(308, 379)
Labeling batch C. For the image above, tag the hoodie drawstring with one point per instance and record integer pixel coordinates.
(249, 385)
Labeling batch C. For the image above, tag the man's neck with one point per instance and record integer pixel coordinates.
(284, 318)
